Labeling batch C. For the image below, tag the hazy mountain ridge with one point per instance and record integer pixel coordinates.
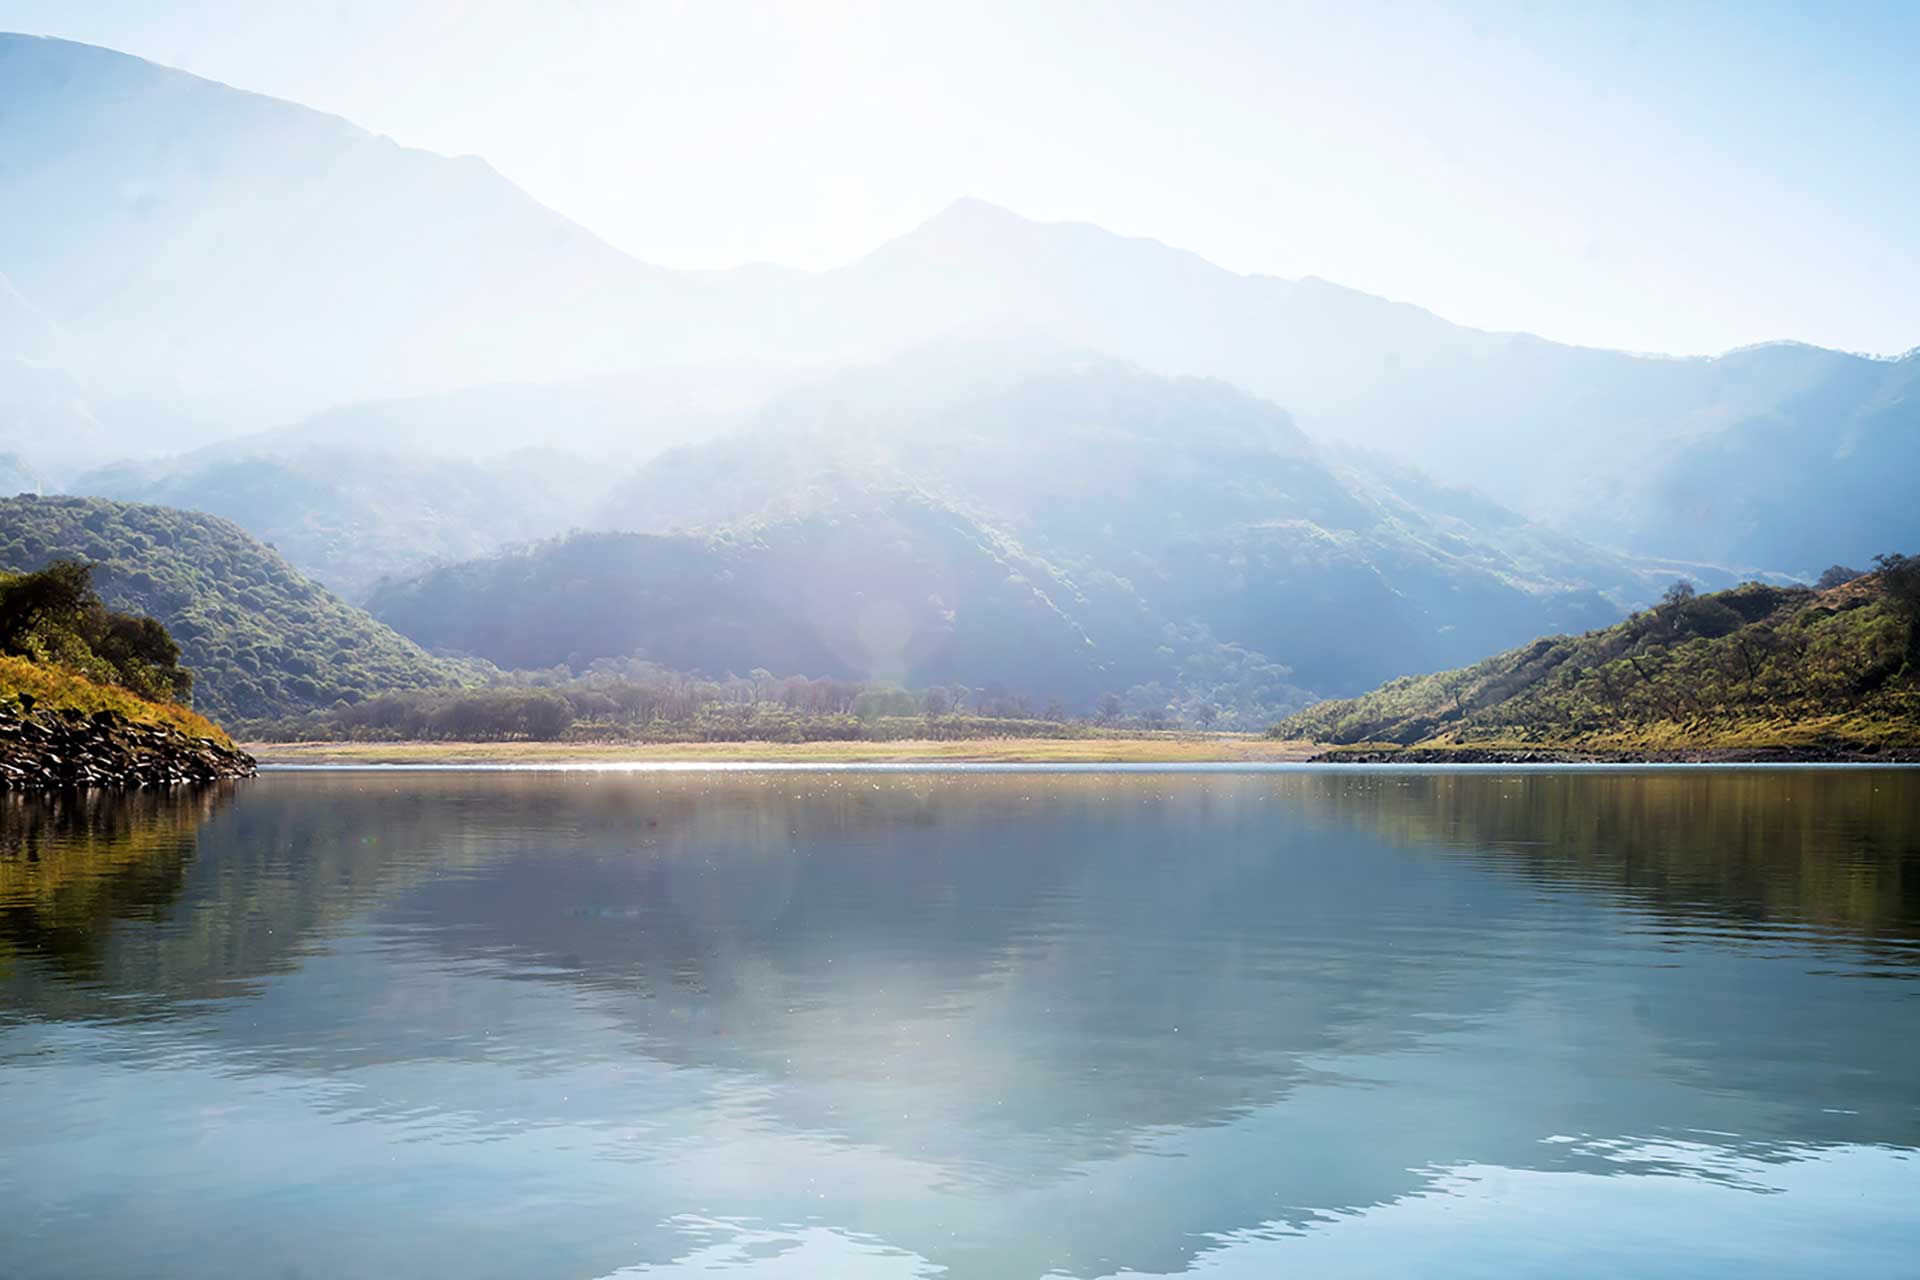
(1827, 468)
(1192, 535)
(262, 259)
(216, 258)
(349, 516)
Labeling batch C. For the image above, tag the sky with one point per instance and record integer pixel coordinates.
(1680, 177)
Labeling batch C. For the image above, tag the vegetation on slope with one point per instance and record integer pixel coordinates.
(57, 687)
(1754, 667)
(61, 649)
(261, 639)
(54, 616)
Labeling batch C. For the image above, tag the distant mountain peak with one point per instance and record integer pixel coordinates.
(974, 209)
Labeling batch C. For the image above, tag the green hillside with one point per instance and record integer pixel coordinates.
(1753, 668)
(260, 639)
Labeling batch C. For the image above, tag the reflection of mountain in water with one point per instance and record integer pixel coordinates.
(970, 1006)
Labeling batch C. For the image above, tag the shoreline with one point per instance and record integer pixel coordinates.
(1170, 749)
(53, 749)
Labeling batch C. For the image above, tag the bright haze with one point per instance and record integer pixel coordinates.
(1679, 179)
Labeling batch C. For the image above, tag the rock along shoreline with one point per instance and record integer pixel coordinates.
(52, 748)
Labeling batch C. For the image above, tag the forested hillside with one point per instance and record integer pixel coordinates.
(261, 639)
(1749, 668)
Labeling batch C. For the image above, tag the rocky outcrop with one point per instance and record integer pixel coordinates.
(44, 748)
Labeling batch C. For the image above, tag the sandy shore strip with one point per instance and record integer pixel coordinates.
(1160, 749)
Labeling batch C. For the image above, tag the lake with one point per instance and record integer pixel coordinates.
(965, 1023)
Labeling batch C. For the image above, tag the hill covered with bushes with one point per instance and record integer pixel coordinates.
(87, 695)
(1756, 668)
(261, 639)
(63, 650)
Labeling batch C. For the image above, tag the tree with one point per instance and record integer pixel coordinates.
(1900, 578)
(1900, 575)
(1679, 593)
(1836, 575)
(55, 596)
(55, 616)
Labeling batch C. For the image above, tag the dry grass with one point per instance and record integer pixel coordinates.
(52, 686)
(1169, 749)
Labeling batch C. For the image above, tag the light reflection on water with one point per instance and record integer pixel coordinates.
(967, 1023)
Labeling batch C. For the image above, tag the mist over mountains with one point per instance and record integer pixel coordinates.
(387, 363)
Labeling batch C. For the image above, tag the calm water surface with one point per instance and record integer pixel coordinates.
(891, 1024)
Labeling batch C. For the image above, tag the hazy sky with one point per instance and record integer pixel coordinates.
(1675, 177)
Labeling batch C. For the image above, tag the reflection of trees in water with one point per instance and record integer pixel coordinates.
(74, 862)
(187, 893)
(1837, 849)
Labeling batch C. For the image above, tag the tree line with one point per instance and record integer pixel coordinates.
(639, 700)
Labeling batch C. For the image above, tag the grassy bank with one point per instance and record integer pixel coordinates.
(1143, 749)
(1754, 672)
(57, 688)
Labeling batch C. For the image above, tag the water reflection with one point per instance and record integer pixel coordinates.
(997, 1024)
(72, 863)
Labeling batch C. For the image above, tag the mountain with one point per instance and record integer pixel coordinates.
(348, 517)
(204, 255)
(1166, 540)
(898, 588)
(260, 639)
(382, 488)
(622, 418)
(1167, 501)
(1824, 474)
(186, 261)
(16, 476)
(1753, 668)
(1557, 432)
